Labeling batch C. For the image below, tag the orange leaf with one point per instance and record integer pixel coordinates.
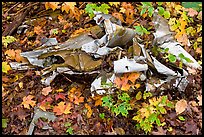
(118, 16)
(68, 108)
(133, 76)
(68, 6)
(38, 30)
(78, 100)
(46, 91)
(98, 101)
(89, 113)
(11, 53)
(18, 57)
(62, 108)
(52, 5)
(27, 101)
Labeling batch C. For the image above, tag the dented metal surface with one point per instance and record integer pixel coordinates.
(82, 54)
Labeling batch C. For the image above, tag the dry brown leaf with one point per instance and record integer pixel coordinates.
(46, 91)
(180, 106)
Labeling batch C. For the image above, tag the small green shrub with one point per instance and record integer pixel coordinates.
(149, 113)
(90, 8)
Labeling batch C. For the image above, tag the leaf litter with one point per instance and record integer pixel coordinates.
(132, 70)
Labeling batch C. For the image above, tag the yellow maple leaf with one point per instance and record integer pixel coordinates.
(68, 108)
(145, 112)
(122, 10)
(67, 6)
(114, 3)
(5, 67)
(27, 101)
(89, 113)
(52, 5)
(153, 101)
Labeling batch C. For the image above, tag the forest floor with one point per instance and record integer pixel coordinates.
(84, 114)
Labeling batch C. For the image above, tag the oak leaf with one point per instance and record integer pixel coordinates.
(180, 106)
(46, 91)
(27, 101)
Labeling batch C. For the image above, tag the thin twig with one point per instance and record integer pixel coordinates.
(29, 5)
(12, 7)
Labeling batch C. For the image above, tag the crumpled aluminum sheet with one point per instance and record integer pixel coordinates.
(101, 89)
(125, 65)
(164, 38)
(175, 49)
(37, 114)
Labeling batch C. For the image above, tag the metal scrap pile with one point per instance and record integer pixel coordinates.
(82, 54)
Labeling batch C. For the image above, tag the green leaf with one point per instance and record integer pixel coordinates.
(150, 11)
(139, 95)
(162, 110)
(102, 115)
(166, 49)
(181, 56)
(4, 123)
(161, 10)
(145, 30)
(147, 4)
(159, 3)
(107, 101)
(124, 97)
(158, 122)
(170, 104)
(67, 124)
(188, 60)
(166, 14)
(152, 118)
(193, 5)
(164, 99)
(70, 130)
(143, 11)
(104, 8)
(138, 30)
(172, 58)
(181, 118)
